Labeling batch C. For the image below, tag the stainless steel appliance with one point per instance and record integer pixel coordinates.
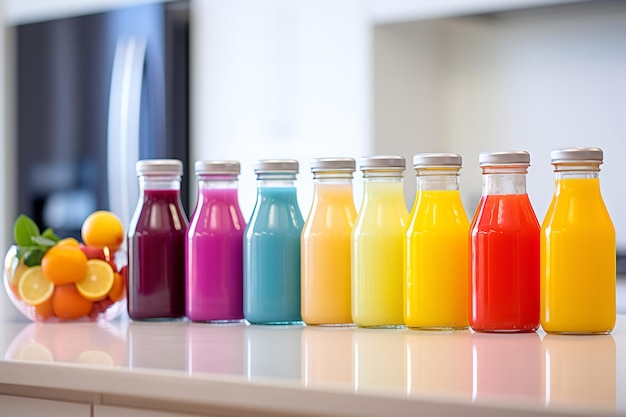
(95, 93)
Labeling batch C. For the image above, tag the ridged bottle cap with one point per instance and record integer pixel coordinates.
(217, 167)
(504, 158)
(159, 167)
(593, 155)
(382, 163)
(333, 164)
(433, 160)
(287, 166)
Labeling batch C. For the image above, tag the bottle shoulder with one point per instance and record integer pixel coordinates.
(505, 212)
(438, 212)
(581, 208)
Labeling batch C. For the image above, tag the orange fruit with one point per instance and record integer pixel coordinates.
(98, 280)
(64, 264)
(118, 290)
(103, 228)
(67, 303)
(14, 291)
(34, 288)
(44, 310)
(68, 241)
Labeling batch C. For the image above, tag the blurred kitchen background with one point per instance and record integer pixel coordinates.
(310, 78)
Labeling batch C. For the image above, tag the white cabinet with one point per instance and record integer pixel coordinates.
(33, 407)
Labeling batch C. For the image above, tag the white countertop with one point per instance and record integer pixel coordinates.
(242, 369)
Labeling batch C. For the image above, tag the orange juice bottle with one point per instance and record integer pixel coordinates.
(325, 244)
(577, 249)
(378, 245)
(436, 288)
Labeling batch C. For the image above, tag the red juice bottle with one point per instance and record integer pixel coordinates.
(215, 245)
(156, 243)
(504, 255)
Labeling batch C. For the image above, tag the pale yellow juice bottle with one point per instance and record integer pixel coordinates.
(325, 244)
(437, 268)
(378, 245)
(577, 249)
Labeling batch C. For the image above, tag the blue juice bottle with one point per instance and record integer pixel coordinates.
(272, 246)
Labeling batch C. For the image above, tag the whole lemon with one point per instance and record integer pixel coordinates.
(103, 229)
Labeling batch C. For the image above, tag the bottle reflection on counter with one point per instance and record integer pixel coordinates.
(439, 362)
(273, 351)
(327, 355)
(379, 359)
(506, 365)
(149, 346)
(579, 371)
(215, 348)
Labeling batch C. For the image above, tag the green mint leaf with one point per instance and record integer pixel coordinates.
(24, 230)
(33, 256)
(49, 234)
(43, 241)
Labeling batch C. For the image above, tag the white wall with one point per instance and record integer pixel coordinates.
(532, 80)
(7, 161)
(6, 165)
(279, 79)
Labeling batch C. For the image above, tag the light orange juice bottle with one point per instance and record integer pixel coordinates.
(437, 252)
(577, 249)
(378, 245)
(325, 244)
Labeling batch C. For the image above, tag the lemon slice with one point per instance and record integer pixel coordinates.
(95, 357)
(34, 288)
(33, 351)
(98, 280)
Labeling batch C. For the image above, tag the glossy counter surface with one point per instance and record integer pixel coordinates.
(240, 369)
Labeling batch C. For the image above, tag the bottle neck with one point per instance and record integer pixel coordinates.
(276, 180)
(159, 183)
(383, 187)
(588, 170)
(217, 182)
(504, 180)
(437, 179)
(332, 189)
(331, 177)
(382, 176)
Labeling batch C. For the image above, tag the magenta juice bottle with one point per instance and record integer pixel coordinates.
(215, 245)
(156, 243)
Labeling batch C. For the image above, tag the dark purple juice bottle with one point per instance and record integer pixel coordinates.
(156, 243)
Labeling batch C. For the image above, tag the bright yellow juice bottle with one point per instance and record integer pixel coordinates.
(577, 249)
(378, 245)
(437, 252)
(325, 244)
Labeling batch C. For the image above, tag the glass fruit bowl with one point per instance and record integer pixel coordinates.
(50, 279)
(92, 288)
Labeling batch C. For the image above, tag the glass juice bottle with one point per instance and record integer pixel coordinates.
(156, 243)
(504, 249)
(437, 276)
(272, 246)
(325, 244)
(214, 252)
(378, 245)
(577, 248)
